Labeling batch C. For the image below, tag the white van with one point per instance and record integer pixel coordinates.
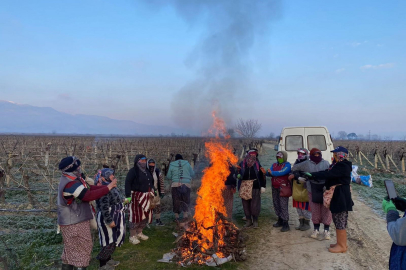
(293, 138)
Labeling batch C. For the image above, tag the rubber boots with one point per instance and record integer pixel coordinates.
(285, 226)
(279, 223)
(301, 222)
(341, 245)
(306, 225)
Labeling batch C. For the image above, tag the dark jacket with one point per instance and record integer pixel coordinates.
(340, 173)
(254, 173)
(109, 202)
(138, 180)
(232, 177)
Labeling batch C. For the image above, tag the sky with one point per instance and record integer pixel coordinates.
(339, 64)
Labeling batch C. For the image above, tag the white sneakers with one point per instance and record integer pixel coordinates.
(314, 234)
(142, 236)
(326, 235)
(134, 240)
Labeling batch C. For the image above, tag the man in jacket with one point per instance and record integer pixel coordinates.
(181, 174)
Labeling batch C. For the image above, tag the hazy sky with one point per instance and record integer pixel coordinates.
(335, 63)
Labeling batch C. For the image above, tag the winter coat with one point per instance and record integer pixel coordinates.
(252, 173)
(310, 166)
(180, 171)
(340, 173)
(397, 231)
(138, 180)
(107, 202)
(280, 171)
(231, 178)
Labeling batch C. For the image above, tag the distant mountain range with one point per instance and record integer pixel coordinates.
(19, 118)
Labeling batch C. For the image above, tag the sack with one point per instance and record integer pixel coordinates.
(286, 189)
(183, 189)
(152, 201)
(317, 192)
(246, 189)
(300, 193)
(328, 195)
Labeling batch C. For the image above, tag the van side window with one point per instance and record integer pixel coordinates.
(294, 142)
(317, 141)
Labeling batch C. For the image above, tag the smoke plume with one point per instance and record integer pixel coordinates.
(221, 58)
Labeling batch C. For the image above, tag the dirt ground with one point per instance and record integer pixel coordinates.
(368, 244)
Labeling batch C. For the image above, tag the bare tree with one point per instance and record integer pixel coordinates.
(247, 128)
(342, 135)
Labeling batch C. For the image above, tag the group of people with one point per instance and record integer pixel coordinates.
(321, 192)
(144, 187)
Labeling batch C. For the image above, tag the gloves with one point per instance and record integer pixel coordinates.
(239, 176)
(388, 205)
(400, 203)
(301, 180)
(308, 175)
(127, 200)
(262, 189)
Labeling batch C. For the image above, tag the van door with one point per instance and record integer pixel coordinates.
(318, 137)
(293, 139)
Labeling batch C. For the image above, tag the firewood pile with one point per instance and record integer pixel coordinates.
(227, 241)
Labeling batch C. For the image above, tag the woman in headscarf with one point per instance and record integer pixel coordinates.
(338, 180)
(280, 180)
(180, 172)
(302, 202)
(159, 189)
(250, 185)
(139, 188)
(74, 213)
(319, 213)
(110, 220)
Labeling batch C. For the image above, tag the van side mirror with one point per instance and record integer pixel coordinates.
(276, 147)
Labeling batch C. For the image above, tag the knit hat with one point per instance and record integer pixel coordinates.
(69, 164)
(106, 173)
(178, 156)
(314, 151)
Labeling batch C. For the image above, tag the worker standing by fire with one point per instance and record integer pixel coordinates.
(281, 189)
(250, 185)
(181, 174)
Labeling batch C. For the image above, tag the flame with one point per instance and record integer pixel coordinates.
(210, 194)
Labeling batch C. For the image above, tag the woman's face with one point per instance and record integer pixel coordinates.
(317, 154)
(151, 164)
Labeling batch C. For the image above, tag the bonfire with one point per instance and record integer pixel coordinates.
(211, 237)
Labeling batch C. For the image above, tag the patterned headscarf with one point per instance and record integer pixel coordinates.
(250, 159)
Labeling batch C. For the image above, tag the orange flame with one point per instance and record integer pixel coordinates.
(210, 194)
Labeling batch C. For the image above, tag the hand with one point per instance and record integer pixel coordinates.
(308, 175)
(400, 203)
(262, 170)
(388, 205)
(112, 224)
(262, 189)
(291, 177)
(127, 200)
(301, 180)
(269, 171)
(113, 184)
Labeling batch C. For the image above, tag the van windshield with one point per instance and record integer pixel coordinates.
(317, 141)
(294, 142)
